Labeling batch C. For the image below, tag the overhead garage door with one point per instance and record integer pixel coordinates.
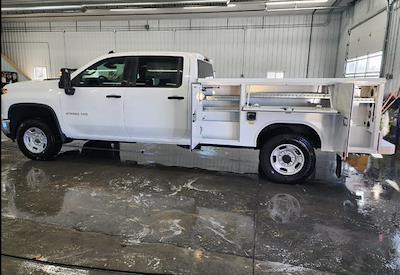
(368, 37)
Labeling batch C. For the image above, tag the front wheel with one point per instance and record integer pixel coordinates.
(37, 140)
(287, 159)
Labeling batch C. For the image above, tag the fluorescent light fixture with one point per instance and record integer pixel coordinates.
(197, 7)
(295, 2)
(141, 4)
(41, 8)
(130, 10)
(299, 9)
(84, 7)
(205, 7)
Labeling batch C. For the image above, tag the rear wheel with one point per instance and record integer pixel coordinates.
(287, 159)
(37, 140)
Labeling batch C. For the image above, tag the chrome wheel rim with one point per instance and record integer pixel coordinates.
(35, 140)
(287, 159)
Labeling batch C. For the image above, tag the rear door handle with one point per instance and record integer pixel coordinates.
(176, 97)
(113, 96)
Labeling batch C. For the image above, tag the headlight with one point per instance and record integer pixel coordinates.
(4, 91)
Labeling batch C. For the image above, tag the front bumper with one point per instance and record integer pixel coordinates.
(5, 126)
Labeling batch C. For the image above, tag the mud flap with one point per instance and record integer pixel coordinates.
(197, 113)
(338, 166)
(342, 101)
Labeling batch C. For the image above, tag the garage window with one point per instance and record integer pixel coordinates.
(39, 73)
(365, 66)
(159, 71)
(106, 73)
(275, 75)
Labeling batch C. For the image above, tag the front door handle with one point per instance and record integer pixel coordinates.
(176, 97)
(113, 96)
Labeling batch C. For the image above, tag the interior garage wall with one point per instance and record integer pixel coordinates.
(7, 66)
(239, 46)
(392, 64)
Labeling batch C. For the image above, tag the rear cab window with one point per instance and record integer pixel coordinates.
(204, 69)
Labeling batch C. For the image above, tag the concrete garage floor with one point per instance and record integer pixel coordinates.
(147, 210)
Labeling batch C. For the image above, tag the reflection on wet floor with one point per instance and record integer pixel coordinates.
(145, 196)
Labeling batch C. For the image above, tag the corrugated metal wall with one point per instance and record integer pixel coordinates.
(346, 23)
(239, 46)
(393, 51)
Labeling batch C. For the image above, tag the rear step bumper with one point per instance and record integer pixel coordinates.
(385, 147)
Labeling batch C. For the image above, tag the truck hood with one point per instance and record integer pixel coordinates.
(41, 92)
(32, 86)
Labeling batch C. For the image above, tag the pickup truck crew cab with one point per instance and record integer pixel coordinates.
(173, 98)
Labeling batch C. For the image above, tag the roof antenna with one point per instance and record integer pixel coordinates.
(110, 52)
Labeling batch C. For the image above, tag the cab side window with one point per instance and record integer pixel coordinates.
(110, 72)
(159, 71)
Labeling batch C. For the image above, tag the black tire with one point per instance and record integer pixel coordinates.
(54, 143)
(268, 171)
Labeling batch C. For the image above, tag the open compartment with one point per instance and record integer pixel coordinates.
(216, 114)
(289, 98)
(221, 112)
(349, 108)
(365, 119)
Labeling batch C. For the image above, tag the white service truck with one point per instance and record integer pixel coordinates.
(173, 98)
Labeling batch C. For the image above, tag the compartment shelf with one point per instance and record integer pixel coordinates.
(290, 95)
(290, 109)
(221, 109)
(222, 98)
(364, 99)
(307, 96)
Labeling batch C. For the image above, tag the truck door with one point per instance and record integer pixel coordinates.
(342, 101)
(95, 111)
(156, 106)
(197, 108)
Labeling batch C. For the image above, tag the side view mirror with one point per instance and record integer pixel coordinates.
(65, 81)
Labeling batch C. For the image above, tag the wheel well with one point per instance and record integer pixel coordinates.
(286, 128)
(20, 112)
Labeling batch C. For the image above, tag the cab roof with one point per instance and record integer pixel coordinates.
(161, 53)
(143, 53)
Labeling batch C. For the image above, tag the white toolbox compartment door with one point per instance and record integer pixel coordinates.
(196, 115)
(342, 101)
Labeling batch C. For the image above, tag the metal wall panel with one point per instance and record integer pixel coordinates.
(366, 8)
(278, 47)
(324, 48)
(346, 21)
(239, 46)
(81, 47)
(224, 47)
(32, 49)
(393, 51)
(145, 41)
(208, 22)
